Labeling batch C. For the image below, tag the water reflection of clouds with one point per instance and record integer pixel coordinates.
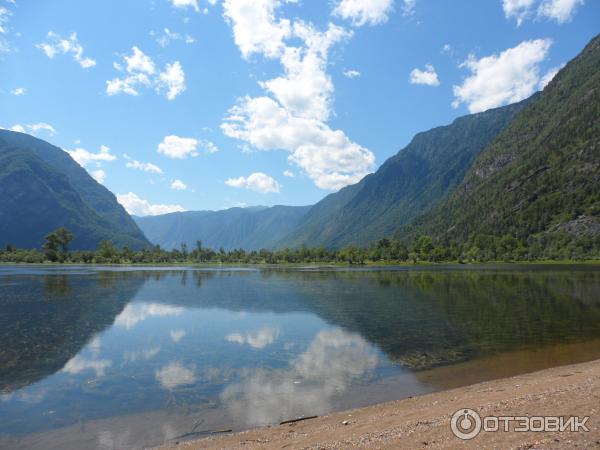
(79, 364)
(175, 374)
(135, 313)
(177, 335)
(327, 368)
(141, 355)
(256, 339)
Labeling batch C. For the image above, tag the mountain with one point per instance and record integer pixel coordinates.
(539, 180)
(413, 181)
(42, 188)
(248, 228)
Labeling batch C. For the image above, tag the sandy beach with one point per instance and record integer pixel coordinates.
(424, 421)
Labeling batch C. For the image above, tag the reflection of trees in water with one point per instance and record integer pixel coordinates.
(46, 320)
(426, 317)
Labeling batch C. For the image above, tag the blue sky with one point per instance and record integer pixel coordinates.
(198, 104)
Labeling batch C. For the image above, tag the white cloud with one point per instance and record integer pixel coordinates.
(547, 78)
(4, 17)
(140, 72)
(183, 4)
(257, 182)
(518, 9)
(178, 147)
(99, 175)
(33, 128)
(177, 335)
(167, 36)
(18, 128)
(256, 339)
(288, 173)
(294, 117)
(84, 157)
(172, 79)
(58, 45)
(408, 7)
(447, 48)
(178, 185)
(78, 364)
(496, 80)
(351, 73)
(146, 167)
(362, 12)
(174, 374)
(561, 11)
(135, 313)
(135, 205)
(18, 91)
(255, 28)
(209, 146)
(428, 76)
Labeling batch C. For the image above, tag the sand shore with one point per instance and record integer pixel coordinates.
(424, 421)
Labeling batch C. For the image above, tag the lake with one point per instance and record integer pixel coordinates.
(107, 357)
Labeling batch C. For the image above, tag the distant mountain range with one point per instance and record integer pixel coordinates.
(530, 170)
(42, 188)
(248, 228)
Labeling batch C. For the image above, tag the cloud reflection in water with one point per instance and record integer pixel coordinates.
(327, 368)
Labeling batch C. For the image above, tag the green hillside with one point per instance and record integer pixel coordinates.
(539, 180)
(42, 188)
(405, 186)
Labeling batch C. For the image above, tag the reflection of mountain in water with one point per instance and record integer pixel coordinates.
(46, 320)
(421, 318)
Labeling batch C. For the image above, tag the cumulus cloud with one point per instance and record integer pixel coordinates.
(351, 73)
(427, 77)
(255, 28)
(508, 77)
(141, 355)
(288, 173)
(172, 79)
(175, 374)
(178, 185)
(33, 128)
(146, 167)
(257, 182)
(184, 4)
(18, 91)
(58, 45)
(294, 114)
(178, 147)
(257, 339)
(84, 157)
(135, 205)
(365, 12)
(98, 175)
(4, 17)
(139, 71)
(517, 9)
(561, 11)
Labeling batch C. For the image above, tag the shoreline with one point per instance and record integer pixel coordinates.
(424, 421)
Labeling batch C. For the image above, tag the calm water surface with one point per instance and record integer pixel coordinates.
(131, 357)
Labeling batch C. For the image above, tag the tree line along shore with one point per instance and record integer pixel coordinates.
(423, 249)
